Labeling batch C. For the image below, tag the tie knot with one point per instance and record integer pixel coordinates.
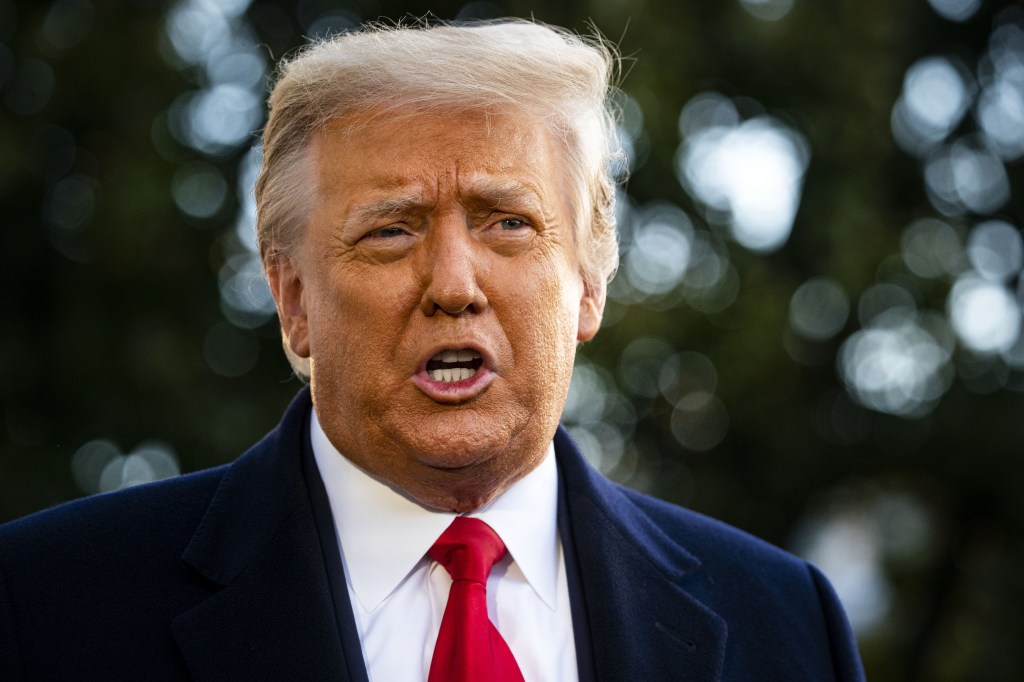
(468, 549)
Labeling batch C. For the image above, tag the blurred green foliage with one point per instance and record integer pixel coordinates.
(108, 318)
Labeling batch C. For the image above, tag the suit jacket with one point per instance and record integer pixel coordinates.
(222, 575)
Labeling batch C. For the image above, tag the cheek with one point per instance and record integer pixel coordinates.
(360, 298)
(351, 319)
(562, 295)
(542, 326)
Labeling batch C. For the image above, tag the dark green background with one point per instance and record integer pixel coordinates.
(109, 344)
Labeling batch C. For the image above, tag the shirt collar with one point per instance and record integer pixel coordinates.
(384, 535)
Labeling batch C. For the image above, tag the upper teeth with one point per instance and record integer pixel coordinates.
(456, 356)
(448, 357)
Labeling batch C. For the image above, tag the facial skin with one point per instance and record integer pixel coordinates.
(435, 233)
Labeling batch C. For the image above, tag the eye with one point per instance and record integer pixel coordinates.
(512, 224)
(389, 232)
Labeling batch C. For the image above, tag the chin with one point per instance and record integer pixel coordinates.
(458, 437)
(456, 452)
(463, 469)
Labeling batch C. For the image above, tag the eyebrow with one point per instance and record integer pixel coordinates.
(480, 193)
(385, 208)
(493, 192)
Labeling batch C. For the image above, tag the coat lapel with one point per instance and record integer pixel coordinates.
(272, 616)
(643, 624)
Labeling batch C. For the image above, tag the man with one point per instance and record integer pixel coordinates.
(436, 222)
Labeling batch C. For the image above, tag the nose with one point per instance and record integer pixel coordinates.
(452, 269)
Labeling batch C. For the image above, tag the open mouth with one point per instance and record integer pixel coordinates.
(450, 366)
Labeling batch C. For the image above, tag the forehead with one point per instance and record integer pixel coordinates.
(389, 151)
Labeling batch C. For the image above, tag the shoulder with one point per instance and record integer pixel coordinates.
(769, 598)
(132, 512)
(657, 524)
(738, 572)
(714, 542)
(775, 605)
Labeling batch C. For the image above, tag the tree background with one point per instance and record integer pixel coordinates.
(814, 335)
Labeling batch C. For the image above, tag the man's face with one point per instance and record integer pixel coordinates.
(438, 297)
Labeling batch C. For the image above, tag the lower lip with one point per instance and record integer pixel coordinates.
(454, 392)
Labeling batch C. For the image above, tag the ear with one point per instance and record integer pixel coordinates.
(286, 286)
(591, 311)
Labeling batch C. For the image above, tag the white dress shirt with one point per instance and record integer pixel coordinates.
(398, 594)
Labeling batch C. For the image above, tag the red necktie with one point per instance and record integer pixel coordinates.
(469, 647)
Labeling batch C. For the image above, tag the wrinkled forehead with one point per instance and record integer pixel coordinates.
(394, 152)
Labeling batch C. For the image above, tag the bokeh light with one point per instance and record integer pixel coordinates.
(30, 87)
(899, 364)
(966, 176)
(599, 417)
(244, 241)
(67, 211)
(955, 10)
(984, 314)
(216, 120)
(632, 137)
(1001, 117)
(700, 421)
(227, 111)
(640, 365)
(931, 248)
(845, 546)
(685, 374)
(244, 293)
(881, 299)
(768, 10)
(199, 189)
(89, 461)
(855, 534)
(99, 465)
(995, 250)
(195, 29)
(70, 202)
(1000, 107)
(713, 282)
(219, 120)
(749, 173)
(67, 23)
(819, 309)
(937, 92)
(660, 252)
(667, 259)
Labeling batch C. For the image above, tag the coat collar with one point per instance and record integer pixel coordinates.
(272, 616)
(643, 624)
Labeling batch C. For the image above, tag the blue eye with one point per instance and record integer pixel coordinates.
(512, 223)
